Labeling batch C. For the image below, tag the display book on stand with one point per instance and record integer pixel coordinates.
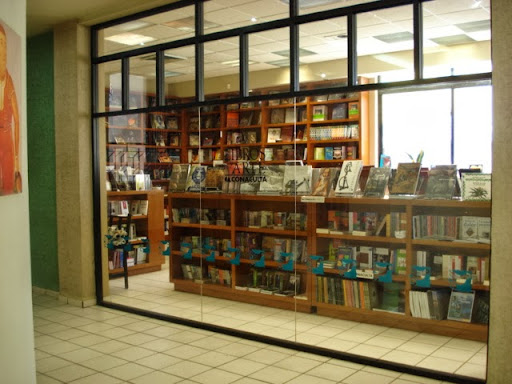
(360, 258)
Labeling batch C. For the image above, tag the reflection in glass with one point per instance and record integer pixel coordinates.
(180, 73)
(222, 66)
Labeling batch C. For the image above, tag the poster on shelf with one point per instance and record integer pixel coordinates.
(10, 91)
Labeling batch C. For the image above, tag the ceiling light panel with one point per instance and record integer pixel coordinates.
(129, 38)
(397, 37)
(453, 40)
(475, 26)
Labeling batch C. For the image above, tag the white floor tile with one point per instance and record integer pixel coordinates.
(419, 348)
(128, 371)
(133, 353)
(403, 357)
(51, 363)
(461, 355)
(159, 361)
(103, 362)
(215, 376)
(156, 377)
(274, 375)
(98, 378)
(472, 370)
(332, 372)
(297, 364)
(369, 351)
(362, 377)
(186, 369)
(242, 366)
(69, 373)
(440, 364)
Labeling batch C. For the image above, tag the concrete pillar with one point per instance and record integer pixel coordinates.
(74, 164)
(500, 337)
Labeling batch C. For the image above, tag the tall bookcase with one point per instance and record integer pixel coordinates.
(313, 293)
(150, 225)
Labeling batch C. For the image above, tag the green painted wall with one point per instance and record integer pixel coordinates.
(41, 162)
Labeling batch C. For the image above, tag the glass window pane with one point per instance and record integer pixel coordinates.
(311, 6)
(109, 86)
(323, 50)
(221, 15)
(385, 42)
(473, 127)
(269, 58)
(161, 28)
(456, 37)
(415, 121)
(222, 66)
(142, 79)
(180, 72)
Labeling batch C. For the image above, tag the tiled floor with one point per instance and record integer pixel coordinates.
(102, 346)
(154, 292)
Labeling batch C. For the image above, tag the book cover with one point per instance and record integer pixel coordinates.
(468, 227)
(405, 180)
(441, 182)
(289, 115)
(251, 182)
(348, 181)
(246, 118)
(321, 181)
(339, 111)
(273, 176)
(214, 178)
(476, 186)
(287, 134)
(273, 135)
(171, 123)
(277, 116)
(196, 178)
(193, 123)
(297, 179)
(460, 307)
(319, 112)
(179, 176)
(377, 183)
(157, 121)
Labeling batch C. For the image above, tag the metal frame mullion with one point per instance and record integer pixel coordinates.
(160, 78)
(125, 83)
(244, 64)
(418, 39)
(352, 50)
(294, 47)
(199, 50)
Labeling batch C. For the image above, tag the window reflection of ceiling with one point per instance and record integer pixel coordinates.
(446, 23)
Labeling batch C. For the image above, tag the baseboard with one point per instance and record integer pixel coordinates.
(64, 299)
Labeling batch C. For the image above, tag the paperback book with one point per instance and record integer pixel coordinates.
(476, 186)
(297, 179)
(406, 178)
(441, 182)
(196, 178)
(348, 181)
(377, 183)
(272, 181)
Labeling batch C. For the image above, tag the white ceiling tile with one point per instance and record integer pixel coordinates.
(266, 57)
(449, 30)
(322, 28)
(480, 35)
(227, 17)
(272, 10)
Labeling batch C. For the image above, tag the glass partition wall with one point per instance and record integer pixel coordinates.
(244, 184)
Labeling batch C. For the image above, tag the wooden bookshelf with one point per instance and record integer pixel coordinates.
(150, 226)
(318, 244)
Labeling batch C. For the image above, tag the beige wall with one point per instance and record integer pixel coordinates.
(17, 359)
(74, 164)
(500, 336)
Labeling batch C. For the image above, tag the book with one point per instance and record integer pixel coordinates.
(214, 178)
(406, 178)
(277, 116)
(289, 115)
(273, 176)
(476, 186)
(297, 179)
(441, 182)
(273, 135)
(348, 181)
(287, 134)
(179, 176)
(321, 181)
(246, 118)
(377, 183)
(157, 121)
(339, 111)
(353, 110)
(196, 178)
(319, 112)
(193, 123)
(460, 307)
(171, 123)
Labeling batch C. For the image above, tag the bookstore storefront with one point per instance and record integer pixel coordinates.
(301, 174)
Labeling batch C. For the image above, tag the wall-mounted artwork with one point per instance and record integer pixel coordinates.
(10, 92)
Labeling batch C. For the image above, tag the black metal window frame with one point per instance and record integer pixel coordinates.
(293, 22)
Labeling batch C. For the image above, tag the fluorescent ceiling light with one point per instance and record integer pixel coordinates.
(475, 26)
(173, 74)
(302, 52)
(168, 58)
(397, 37)
(129, 38)
(234, 63)
(132, 25)
(453, 40)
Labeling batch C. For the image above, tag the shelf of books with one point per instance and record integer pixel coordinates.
(143, 212)
(372, 251)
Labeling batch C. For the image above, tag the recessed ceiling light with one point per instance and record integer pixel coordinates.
(476, 4)
(253, 19)
(132, 25)
(234, 63)
(129, 38)
(188, 24)
(323, 75)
